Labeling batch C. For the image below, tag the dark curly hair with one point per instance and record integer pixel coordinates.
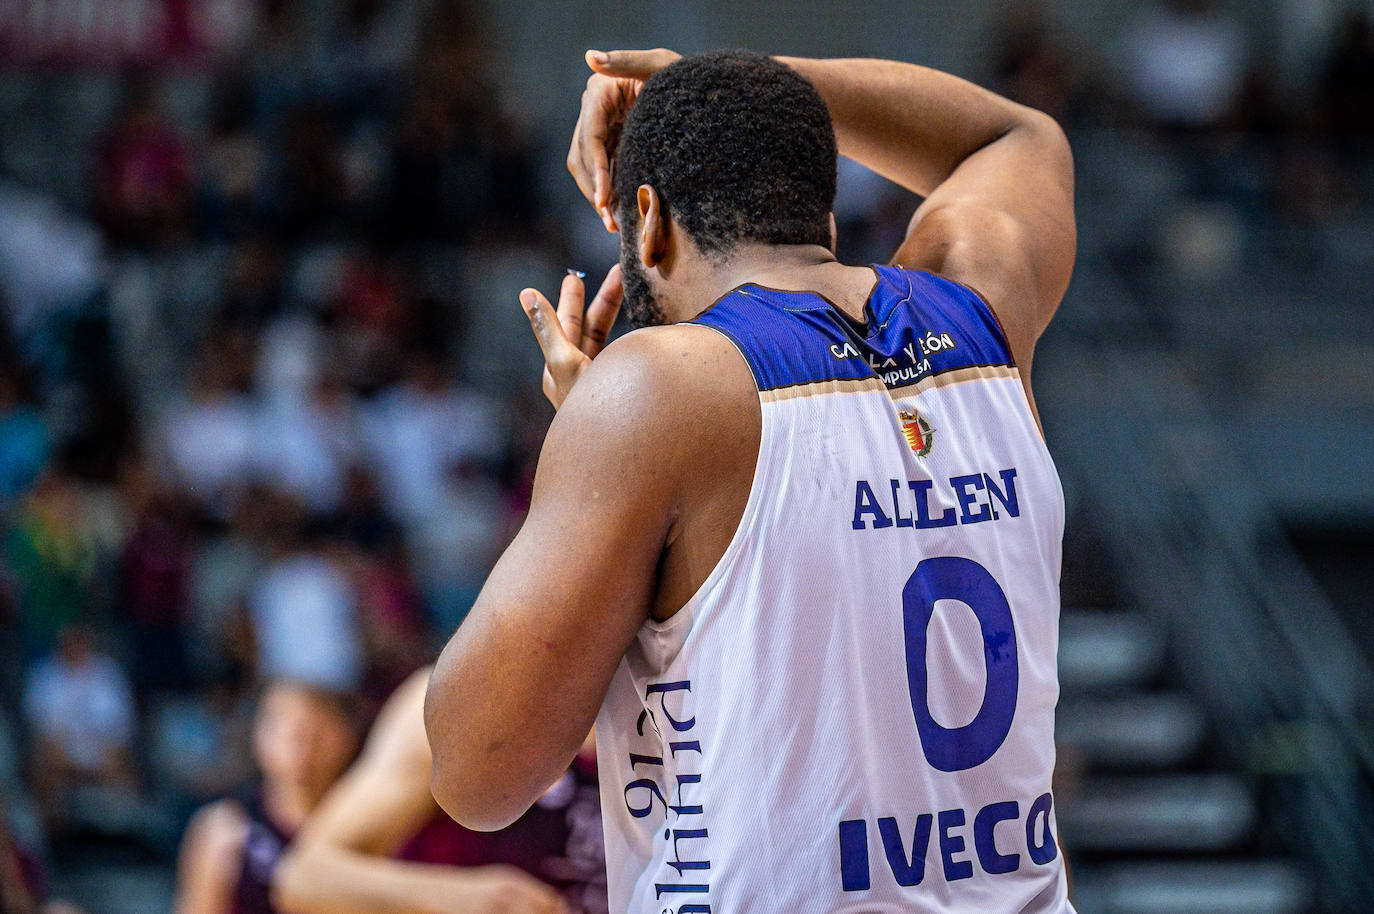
(739, 148)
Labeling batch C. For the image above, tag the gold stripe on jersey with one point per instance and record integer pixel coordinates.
(956, 376)
(869, 385)
(822, 388)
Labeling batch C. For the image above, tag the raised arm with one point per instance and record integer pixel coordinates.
(997, 176)
(338, 863)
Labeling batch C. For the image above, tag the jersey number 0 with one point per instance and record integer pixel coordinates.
(955, 578)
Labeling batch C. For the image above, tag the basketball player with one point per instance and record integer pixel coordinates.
(304, 737)
(378, 843)
(799, 541)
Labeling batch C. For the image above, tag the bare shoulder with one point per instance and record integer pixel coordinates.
(662, 378)
(663, 359)
(223, 823)
(664, 419)
(216, 835)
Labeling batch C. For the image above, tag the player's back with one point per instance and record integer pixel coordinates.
(855, 711)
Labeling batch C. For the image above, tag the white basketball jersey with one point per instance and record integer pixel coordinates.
(856, 711)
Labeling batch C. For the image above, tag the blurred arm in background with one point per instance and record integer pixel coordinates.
(338, 862)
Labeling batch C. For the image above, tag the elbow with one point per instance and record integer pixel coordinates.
(1049, 135)
(473, 798)
(476, 796)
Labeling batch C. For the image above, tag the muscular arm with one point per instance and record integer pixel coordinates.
(337, 865)
(519, 686)
(997, 178)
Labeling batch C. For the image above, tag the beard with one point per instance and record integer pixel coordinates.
(639, 306)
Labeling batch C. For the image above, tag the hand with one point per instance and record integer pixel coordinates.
(495, 889)
(570, 338)
(611, 91)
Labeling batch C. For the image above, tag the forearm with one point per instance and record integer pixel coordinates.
(495, 756)
(911, 124)
(331, 880)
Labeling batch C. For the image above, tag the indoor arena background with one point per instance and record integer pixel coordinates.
(263, 371)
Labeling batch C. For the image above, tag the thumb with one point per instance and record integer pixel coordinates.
(631, 64)
(548, 330)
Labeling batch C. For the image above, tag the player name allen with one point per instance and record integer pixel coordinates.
(977, 497)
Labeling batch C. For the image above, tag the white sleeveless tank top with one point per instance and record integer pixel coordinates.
(855, 713)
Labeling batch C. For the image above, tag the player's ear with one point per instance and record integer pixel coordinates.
(653, 226)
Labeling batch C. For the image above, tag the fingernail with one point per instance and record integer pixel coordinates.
(578, 273)
(527, 299)
(600, 57)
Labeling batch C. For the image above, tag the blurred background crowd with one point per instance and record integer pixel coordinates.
(268, 408)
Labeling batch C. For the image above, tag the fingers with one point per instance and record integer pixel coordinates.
(601, 186)
(548, 330)
(610, 92)
(631, 64)
(601, 314)
(604, 104)
(601, 189)
(572, 335)
(589, 135)
(571, 297)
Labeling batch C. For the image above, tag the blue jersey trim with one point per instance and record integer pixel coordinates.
(918, 325)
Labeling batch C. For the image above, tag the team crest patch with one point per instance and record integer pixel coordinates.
(917, 431)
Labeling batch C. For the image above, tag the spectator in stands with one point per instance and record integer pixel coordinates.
(80, 710)
(253, 290)
(1033, 64)
(363, 521)
(431, 445)
(304, 738)
(18, 876)
(422, 156)
(199, 744)
(23, 432)
(390, 614)
(306, 189)
(233, 164)
(50, 264)
(305, 610)
(422, 430)
(209, 439)
(306, 444)
(50, 560)
(143, 172)
(154, 569)
(1185, 63)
